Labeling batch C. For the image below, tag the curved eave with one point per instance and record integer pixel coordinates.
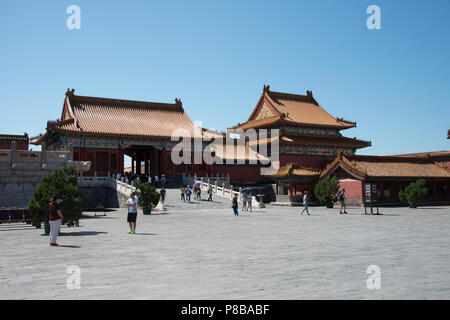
(90, 133)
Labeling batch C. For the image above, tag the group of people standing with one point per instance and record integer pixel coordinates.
(187, 191)
(155, 179)
(246, 198)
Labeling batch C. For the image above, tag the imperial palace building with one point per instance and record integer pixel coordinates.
(103, 130)
(308, 134)
(310, 145)
(309, 137)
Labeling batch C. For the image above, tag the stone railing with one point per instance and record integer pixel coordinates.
(34, 160)
(220, 180)
(106, 181)
(224, 192)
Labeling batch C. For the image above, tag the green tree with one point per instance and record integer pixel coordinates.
(61, 183)
(326, 189)
(414, 193)
(147, 195)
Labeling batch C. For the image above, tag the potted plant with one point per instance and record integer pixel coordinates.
(326, 189)
(414, 193)
(147, 196)
(63, 183)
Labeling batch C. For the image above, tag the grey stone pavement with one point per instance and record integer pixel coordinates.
(201, 251)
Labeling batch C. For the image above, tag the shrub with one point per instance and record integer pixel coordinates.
(414, 193)
(326, 189)
(147, 195)
(61, 183)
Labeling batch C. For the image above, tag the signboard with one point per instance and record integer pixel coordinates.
(370, 197)
(370, 193)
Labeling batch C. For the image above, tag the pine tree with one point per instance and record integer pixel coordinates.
(63, 184)
(326, 189)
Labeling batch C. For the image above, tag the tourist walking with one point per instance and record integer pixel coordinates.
(183, 194)
(305, 203)
(188, 193)
(249, 198)
(132, 204)
(156, 181)
(341, 199)
(244, 201)
(162, 193)
(210, 192)
(55, 218)
(163, 181)
(149, 180)
(234, 205)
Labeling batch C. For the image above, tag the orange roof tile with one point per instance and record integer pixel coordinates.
(365, 167)
(432, 154)
(293, 170)
(294, 109)
(237, 152)
(91, 115)
(316, 139)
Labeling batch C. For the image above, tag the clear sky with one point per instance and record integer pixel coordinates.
(216, 56)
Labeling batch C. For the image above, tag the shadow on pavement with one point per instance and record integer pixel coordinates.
(16, 227)
(68, 246)
(82, 233)
(144, 234)
(96, 217)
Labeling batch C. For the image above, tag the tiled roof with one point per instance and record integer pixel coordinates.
(315, 139)
(91, 115)
(311, 139)
(13, 137)
(294, 109)
(432, 154)
(294, 170)
(365, 167)
(237, 152)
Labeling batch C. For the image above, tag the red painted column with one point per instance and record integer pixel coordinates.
(156, 161)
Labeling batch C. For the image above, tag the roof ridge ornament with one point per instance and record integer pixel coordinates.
(178, 101)
(266, 88)
(70, 92)
(309, 93)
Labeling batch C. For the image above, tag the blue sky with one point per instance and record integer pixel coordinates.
(217, 55)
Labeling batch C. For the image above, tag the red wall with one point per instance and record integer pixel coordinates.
(353, 190)
(81, 154)
(20, 145)
(238, 172)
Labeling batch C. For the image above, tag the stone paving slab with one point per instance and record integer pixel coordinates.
(201, 251)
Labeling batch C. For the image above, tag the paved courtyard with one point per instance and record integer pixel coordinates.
(201, 251)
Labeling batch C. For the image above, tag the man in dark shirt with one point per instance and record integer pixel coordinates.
(55, 218)
(162, 193)
(341, 199)
(234, 205)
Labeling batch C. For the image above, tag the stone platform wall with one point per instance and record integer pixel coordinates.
(21, 172)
